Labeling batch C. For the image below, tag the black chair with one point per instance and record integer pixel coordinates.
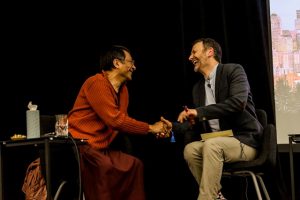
(47, 124)
(265, 161)
(262, 117)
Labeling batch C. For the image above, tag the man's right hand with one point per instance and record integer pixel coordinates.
(157, 127)
(187, 114)
(167, 129)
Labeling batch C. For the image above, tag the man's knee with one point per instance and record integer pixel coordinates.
(138, 163)
(211, 146)
(189, 152)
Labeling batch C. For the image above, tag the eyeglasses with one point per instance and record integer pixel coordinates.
(130, 61)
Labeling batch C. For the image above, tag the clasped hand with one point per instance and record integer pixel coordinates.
(162, 128)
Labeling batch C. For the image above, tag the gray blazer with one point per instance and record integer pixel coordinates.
(234, 106)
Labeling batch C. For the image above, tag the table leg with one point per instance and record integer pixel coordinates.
(1, 174)
(48, 169)
(292, 167)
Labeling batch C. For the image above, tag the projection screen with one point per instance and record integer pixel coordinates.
(285, 32)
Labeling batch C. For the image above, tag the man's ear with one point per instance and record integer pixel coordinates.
(210, 52)
(116, 62)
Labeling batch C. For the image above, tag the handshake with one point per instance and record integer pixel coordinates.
(161, 129)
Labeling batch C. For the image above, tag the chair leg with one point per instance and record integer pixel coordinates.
(263, 186)
(59, 190)
(254, 181)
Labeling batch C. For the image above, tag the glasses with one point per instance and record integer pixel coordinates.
(132, 62)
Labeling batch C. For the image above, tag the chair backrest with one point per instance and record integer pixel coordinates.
(262, 117)
(268, 150)
(47, 124)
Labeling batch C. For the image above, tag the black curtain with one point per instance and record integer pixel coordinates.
(50, 49)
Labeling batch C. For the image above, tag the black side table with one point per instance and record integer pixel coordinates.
(45, 143)
(293, 138)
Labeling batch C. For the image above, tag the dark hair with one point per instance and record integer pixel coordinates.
(115, 51)
(209, 42)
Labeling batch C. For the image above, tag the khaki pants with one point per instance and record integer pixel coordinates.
(205, 160)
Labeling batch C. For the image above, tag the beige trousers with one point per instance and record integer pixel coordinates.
(205, 160)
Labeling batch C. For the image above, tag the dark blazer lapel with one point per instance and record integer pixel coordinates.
(199, 93)
(202, 93)
(218, 81)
